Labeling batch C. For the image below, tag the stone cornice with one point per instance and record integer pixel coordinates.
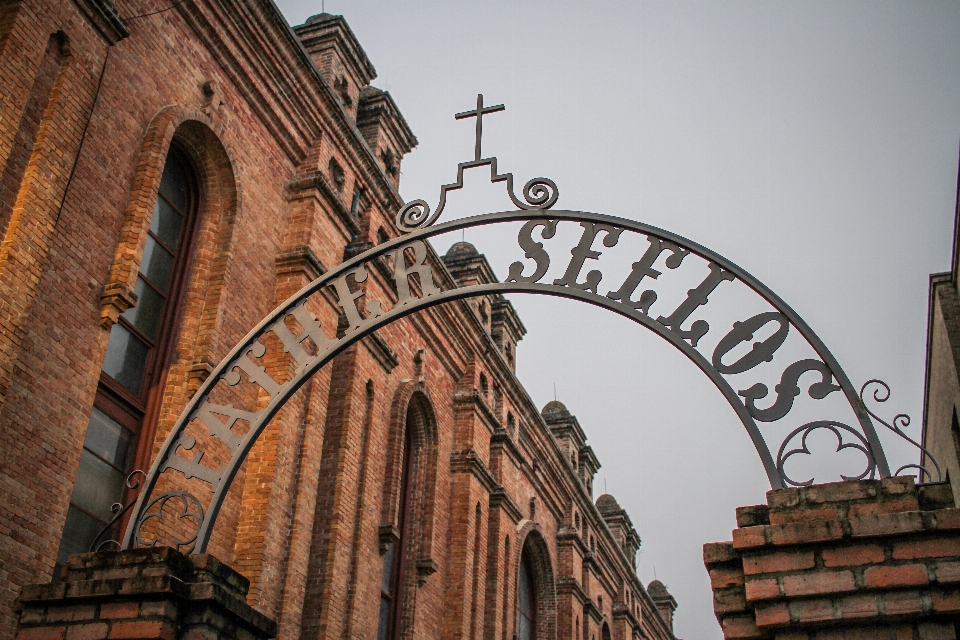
(258, 51)
(300, 258)
(316, 180)
(381, 352)
(500, 499)
(469, 462)
(105, 18)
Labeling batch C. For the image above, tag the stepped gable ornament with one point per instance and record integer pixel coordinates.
(812, 401)
(538, 193)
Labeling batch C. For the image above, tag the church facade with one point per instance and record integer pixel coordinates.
(172, 171)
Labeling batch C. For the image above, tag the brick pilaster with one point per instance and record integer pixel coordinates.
(143, 593)
(866, 559)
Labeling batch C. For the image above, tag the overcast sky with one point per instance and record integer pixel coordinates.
(815, 144)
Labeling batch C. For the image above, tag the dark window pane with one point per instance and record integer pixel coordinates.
(145, 315)
(387, 579)
(384, 630)
(78, 534)
(173, 185)
(166, 223)
(108, 439)
(98, 486)
(125, 359)
(156, 264)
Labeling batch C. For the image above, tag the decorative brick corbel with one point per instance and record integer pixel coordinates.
(426, 567)
(389, 533)
(116, 298)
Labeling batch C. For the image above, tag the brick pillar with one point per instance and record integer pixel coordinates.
(143, 593)
(848, 560)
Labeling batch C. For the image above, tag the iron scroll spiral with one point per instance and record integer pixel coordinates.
(538, 193)
(881, 393)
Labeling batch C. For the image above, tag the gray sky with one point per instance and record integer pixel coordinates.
(812, 143)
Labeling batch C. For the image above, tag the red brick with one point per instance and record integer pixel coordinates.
(853, 607)
(948, 519)
(821, 583)
(783, 498)
(777, 561)
(899, 576)
(740, 628)
(72, 613)
(147, 630)
(906, 503)
(936, 631)
(927, 548)
(92, 631)
(899, 485)
(726, 577)
(749, 537)
(774, 615)
(762, 589)
(806, 532)
(119, 610)
(903, 603)
(729, 601)
(840, 491)
(946, 601)
(826, 512)
(714, 552)
(42, 633)
(853, 555)
(948, 572)
(886, 524)
(814, 610)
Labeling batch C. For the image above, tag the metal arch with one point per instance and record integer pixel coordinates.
(416, 221)
(228, 472)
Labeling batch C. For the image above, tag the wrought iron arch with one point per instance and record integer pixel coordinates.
(417, 285)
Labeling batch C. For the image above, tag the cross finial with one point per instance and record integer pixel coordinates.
(478, 113)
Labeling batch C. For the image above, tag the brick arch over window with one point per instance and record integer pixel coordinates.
(413, 395)
(208, 147)
(412, 408)
(531, 541)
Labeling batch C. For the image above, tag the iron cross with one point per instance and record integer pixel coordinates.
(478, 113)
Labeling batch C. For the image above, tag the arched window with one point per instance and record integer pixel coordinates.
(526, 601)
(391, 578)
(123, 418)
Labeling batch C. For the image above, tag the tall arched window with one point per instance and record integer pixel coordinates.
(123, 418)
(526, 600)
(392, 576)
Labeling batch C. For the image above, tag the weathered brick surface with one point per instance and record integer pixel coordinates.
(91, 106)
(847, 560)
(143, 594)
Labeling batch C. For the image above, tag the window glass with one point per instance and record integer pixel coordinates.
(166, 223)
(156, 264)
(173, 185)
(108, 439)
(524, 603)
(384, 619)
(125, 359)
(387, 568)
(78, 534)
(101, 486)
(145, 315)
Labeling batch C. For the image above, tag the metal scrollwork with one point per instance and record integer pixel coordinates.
(838, 429)
(881, 393)
(192, 510)
(118, 509)
(209, 421)
(538, 193)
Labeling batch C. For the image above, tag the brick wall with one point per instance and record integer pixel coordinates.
(147, 593)
(864, 559)
(304, 519)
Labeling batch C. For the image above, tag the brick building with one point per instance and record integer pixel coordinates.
(172, 172)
